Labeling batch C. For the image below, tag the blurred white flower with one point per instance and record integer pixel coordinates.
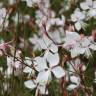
(77, 17)
(14, 63)
(35, 41)
(77, 45)
(49, 65)
(89, 5)
(3, 18)
(82, 48)
(71, 40)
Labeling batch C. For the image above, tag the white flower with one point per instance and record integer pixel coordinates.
(47, 44)
(78, 46)
(47, 65)
(90, 6)
(71, 39)
(43, 43)
(78, 18)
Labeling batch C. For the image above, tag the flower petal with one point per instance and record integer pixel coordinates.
(30, 84)
(40, 63)
(71, 87)
(44, 77)
(84, 6)
(27, 70)
(58, 72)
(53, 48)
(73, 18)
(52, 59)
(94, 4)
(75, 80)
(78, 26)
(28, 61)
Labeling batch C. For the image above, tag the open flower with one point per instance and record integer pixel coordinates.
(77, 45)
(77, 17)
(71, 40)
(90, 6)
(46, 66)
(82, 48)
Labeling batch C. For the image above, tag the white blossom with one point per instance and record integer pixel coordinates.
(77, 17)
(90, 6)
